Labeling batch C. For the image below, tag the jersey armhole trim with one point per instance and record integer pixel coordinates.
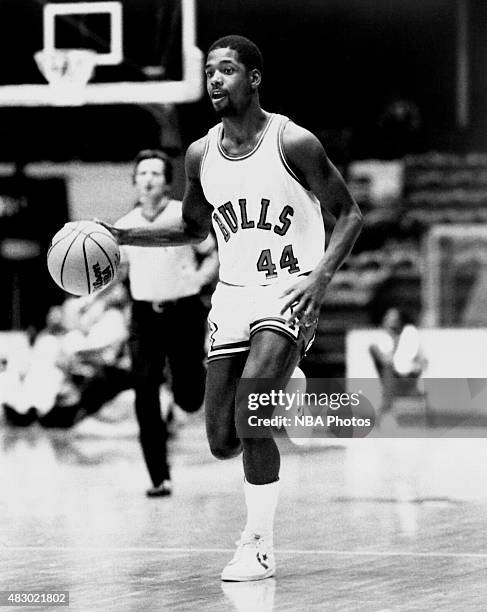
(284, 159)
(205, 153)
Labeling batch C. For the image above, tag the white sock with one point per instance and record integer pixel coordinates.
(261, 502)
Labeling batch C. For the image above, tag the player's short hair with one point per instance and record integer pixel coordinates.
(248, 52)
(154, 154)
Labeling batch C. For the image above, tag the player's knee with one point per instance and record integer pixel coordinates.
(221, 450)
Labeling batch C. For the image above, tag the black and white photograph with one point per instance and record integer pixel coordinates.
(243, 342)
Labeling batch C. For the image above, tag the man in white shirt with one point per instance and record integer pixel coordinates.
(168, 318)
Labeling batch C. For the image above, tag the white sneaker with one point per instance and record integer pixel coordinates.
(255, 596)
(253, 560)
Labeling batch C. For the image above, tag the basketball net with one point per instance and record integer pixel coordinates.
(67, 71)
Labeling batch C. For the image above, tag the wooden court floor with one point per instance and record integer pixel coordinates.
(397, 524)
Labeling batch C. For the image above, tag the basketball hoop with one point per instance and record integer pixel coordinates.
(67, 71)
(68, 84)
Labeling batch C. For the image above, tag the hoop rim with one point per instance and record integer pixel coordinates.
(67, 72)
(48, 52)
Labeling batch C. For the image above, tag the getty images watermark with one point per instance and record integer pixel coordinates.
(305, 408)
(294, 404)
(358, 408)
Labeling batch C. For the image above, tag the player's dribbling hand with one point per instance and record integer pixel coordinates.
(305, 299)
(111, 228)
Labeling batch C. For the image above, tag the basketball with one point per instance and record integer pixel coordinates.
(83, 257)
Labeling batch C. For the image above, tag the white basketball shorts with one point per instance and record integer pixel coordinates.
(237, 313)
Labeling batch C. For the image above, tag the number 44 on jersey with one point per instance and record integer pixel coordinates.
(229, 224)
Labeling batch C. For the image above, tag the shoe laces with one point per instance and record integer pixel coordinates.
(246, 539)
(246, 545)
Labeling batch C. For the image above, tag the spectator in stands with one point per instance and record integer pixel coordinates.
(397, 356)
(33, 390)
(93, 357)
(399, 128)
(76, 364)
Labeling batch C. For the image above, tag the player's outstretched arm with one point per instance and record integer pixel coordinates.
(308, 158)
(192, 226)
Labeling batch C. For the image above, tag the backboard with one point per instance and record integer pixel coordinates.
(145, 51)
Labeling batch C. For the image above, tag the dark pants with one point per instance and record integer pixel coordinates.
(177, 334)
(95, 392)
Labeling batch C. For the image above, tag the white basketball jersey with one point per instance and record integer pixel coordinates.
(268, 226)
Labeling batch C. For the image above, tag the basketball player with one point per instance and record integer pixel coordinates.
(264, 183)
(168, 318)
